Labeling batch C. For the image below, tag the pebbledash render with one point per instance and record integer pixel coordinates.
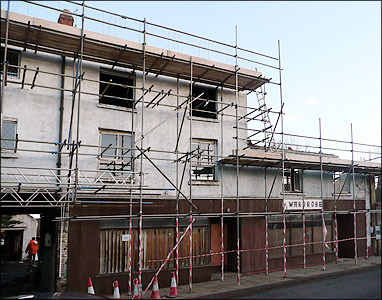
(121, 145)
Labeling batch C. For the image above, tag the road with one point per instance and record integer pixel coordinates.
(362, 285)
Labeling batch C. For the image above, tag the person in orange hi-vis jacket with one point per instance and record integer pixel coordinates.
(32, 249)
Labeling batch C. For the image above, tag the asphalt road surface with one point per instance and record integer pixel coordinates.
(362, 285)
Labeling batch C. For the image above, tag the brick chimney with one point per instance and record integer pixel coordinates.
(66, 18)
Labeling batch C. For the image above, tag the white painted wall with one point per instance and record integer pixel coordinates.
(29, 224)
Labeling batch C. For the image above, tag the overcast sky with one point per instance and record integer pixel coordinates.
(330, 52)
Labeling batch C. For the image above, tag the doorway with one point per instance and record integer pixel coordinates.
(345, 231)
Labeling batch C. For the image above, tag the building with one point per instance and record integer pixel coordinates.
(15, 239)
(127, 149)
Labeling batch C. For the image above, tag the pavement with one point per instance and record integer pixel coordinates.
(215, 289)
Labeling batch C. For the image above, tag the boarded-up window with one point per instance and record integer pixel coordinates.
(114, 253)
(156, 244)
(200, 246)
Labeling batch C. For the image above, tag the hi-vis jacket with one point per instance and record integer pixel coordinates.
(32, 247)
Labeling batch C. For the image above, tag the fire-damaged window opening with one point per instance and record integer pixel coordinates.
(292, 180)
(115, 85)
(9, 135)
(203, 159)
(115, 152)
(204, 106)
(341, 179)
(13, 61)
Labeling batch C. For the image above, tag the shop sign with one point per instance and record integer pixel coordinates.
(298, 204)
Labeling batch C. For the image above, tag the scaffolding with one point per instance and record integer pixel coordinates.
(25, 186)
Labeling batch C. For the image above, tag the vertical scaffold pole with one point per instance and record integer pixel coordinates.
(303, 222)
(237, 164)
(322, 201)
(132, 146)
(222, 192)
(4, 69)
(335, 218)
(366, 229)
(141, 158)
(190, 172)
(354, 204)
(177, 185)
(282, 164)
(266, 223)
(79, 100)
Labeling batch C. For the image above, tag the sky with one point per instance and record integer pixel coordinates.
(330, 54)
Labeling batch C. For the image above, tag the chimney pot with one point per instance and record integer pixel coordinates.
(65, 18)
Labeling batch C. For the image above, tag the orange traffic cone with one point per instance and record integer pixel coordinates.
(116, 294)
(90, 287)
(136, 294)
(155, 292)
(173, 289)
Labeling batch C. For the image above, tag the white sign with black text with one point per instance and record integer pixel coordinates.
(298, 204)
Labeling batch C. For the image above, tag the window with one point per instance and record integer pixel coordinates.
(114, 252)
(204, 106)
(13, 60)
(116, 88)
(203, 159)
(115, 152)
(342, 181)
(294, 234)
(9, 136)
(156, 244)
(292, 180)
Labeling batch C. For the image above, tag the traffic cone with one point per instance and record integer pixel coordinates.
(90, 287)
(173, 289)
(155, 292)
(116, 294)
(136, 289)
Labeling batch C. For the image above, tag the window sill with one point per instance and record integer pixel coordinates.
(202, 182)
(293, 193)
(343, 194)
(8, 154)
(114, 107)
(203, 119)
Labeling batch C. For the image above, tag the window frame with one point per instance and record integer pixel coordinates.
(17, 66)
(128, 75)
(293, 177)
(102, 160)
(200, 164)
(196, 91)
(14, 121)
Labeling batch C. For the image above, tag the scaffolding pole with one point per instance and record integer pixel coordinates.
(266, 223)
(79, 100)
(282, 162)
(141, 157)
(177, 185)
(366, 229)
(222, 194)
(354, 203)
(322, 201)
(237, 162)
(303, 221)
(190, 175)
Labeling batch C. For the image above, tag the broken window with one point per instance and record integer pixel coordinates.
(115, 152)
(115, 88)
(13, 62)
(203, 159)
(292, 180)
(9, 134)
(205, 105)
